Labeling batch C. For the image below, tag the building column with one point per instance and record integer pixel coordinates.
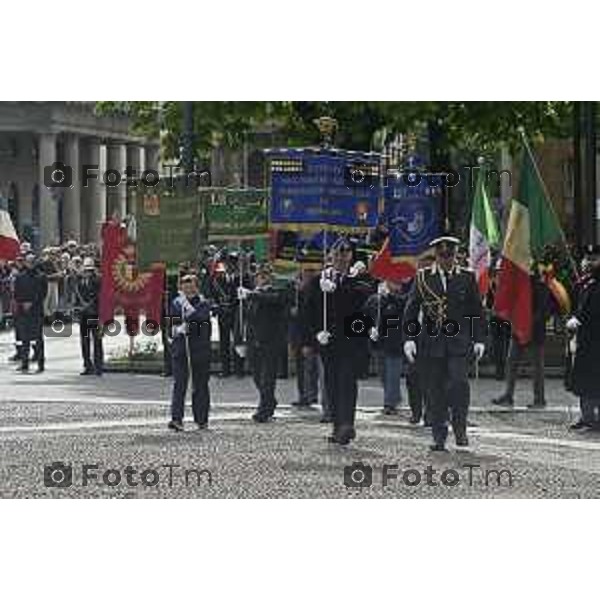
(153, 158)
(117, 195)
(48, 195)
(72, 197)
(96, 191)
(136, 159)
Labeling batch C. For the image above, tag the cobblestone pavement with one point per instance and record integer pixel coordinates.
(118, 421)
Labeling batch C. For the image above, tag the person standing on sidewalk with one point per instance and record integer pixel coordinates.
(307, 367)
(543, 306)
(87, 293)
(387, 306)
(190, 351)
(29, 294)
(585, 322)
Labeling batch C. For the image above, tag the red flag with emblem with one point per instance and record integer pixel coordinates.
(123, 287)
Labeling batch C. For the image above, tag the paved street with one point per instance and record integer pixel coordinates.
(119, 421)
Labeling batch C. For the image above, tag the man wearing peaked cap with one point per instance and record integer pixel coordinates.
(447, 297)
(331, 300)
(87, 293)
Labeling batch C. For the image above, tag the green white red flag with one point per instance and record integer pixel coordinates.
(9, 241)
(532, 225)
(484, 234)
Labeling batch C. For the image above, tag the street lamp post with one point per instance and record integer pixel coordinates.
(187, 158)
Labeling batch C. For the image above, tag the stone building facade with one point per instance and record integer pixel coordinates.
(34, 136)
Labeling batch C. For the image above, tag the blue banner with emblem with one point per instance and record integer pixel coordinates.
(412, 209)
(324, 189)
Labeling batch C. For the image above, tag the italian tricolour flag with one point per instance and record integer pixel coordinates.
(9, 241)
(532, 225)
(483, 234)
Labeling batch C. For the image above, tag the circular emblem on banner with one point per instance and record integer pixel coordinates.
(125, 272)
(152, 205)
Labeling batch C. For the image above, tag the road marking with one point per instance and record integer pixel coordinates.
(83, 425)
(536, 440)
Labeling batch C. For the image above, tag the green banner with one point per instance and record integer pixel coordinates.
(170, 226)
(235, 214)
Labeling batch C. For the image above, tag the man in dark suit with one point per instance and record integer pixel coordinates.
(338, 294)
(444, 311)
(87, 293)
(266, 315)
(29, 293)
(190, 351)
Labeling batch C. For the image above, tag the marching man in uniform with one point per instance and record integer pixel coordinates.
(265, 312)
(190, 351)
(339, 294)
(444, 310)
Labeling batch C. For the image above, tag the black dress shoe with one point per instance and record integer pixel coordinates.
(301, 404)
(261, 418)
(341, 440)
(87, 372)
(438, 448)
(40, 369)
(390, 411)
(536, 405)
(175, 425)
(503, 401)
(462, 440)
(414, 420)
(580, 425)
(202, 426)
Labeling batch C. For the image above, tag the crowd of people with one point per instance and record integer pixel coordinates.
(314, 315)
(36, 289)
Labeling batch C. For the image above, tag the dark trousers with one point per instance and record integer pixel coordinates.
(341, 373)
(537, 358)
(90, 331)
(447, 390)
(200, 363)
(167, 358)
(30, 330)
(500, 348)
(264, 372)
(307, 377)
(417, 399)
(589, 405)
(226, 328)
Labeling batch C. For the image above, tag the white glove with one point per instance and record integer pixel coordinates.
(479, 350)
(382, 289)
(180, 329)
(188, 307)
(323, 337)
(358, 268)
(573, 323)
(327, 286)
(410, 350)
(243, 293)
(374, 334)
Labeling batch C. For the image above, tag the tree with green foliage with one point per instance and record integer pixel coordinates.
(468, 127)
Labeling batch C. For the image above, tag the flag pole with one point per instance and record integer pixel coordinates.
(539, 174)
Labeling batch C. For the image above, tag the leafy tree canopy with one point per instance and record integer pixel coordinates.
(473, 127)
